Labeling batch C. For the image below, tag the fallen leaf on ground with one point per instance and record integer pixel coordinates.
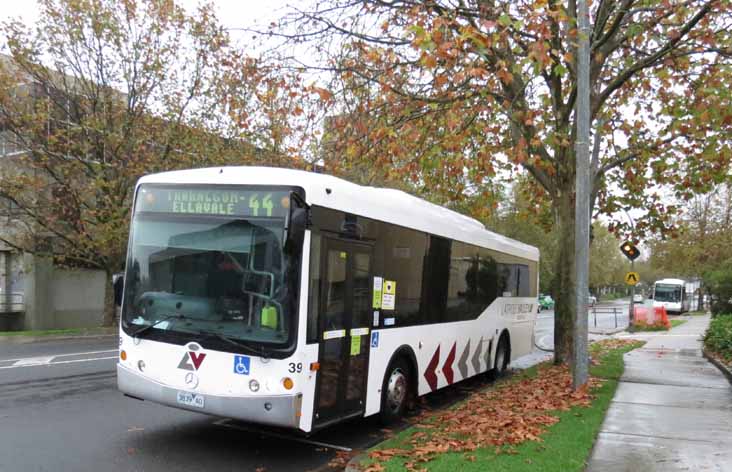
(504, 416)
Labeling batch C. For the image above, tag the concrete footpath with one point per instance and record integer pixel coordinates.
(672, 410)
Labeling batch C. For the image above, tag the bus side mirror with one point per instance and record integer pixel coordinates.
(118, 282)
(296, 231)
(297, 223)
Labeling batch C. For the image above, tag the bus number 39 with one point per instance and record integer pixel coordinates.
(295, 367)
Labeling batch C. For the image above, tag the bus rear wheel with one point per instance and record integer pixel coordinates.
(503, 357)
(395, 391)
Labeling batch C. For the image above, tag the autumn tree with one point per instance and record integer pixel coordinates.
(450, 94)
(701, 246)
(702, 239)
(521, 217)
(100, 92)
(607, 264)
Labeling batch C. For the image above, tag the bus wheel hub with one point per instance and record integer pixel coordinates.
(396, 389)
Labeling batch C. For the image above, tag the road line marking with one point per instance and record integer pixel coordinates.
(543, 344)
(226, 424)
(63, 355)
(28, 361)
(15, 366)
(84, 353)
(83, 360)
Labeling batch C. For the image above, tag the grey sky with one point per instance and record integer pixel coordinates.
(231, 13)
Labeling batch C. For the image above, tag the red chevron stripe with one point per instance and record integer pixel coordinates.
(447, 368)
(430, 374)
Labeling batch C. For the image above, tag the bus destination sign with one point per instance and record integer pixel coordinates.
(214, 201)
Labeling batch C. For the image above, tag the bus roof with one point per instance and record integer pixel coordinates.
(671, 281)
(383, 204)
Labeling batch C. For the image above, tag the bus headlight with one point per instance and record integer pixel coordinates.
(253, 385)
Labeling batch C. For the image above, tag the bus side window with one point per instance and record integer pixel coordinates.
(461, 302)
(435, 280)
(314, 288)
(403, 262)
(335, 290)
(487, 279)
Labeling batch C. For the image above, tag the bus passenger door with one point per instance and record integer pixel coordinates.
(344, 323)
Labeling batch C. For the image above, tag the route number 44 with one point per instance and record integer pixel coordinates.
(255, 204)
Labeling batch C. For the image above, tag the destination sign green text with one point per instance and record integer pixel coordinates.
(223, 202)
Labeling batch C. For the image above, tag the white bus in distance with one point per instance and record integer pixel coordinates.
(296, 299)
(671, 294)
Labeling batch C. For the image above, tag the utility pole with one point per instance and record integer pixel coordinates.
(632, 253)
(582, 198)
(632, 296)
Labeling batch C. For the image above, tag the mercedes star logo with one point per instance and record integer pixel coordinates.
(191, 380)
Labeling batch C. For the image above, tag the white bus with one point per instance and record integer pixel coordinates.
(671, 294)
(295, 299)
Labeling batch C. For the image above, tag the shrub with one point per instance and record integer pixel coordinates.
(719, 284)
(718, 337)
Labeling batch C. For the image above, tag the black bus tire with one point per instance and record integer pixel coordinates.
(503, 355)
(395, 391)
(503, 358)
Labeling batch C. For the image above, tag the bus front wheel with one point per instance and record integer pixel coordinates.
(395, 391)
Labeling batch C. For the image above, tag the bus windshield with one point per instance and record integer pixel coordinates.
(668, 293)
(222, 272)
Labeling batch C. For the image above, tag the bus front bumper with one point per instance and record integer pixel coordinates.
(281, 410)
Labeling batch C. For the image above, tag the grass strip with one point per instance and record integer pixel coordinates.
(655, 327)
(636, 327)
(563, 446)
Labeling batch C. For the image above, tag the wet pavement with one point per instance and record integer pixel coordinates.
(672, 410)
(60, 410)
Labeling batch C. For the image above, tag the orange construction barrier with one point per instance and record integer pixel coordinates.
(657, 317)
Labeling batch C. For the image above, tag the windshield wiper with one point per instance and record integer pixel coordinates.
(177, 316)
(234, 342)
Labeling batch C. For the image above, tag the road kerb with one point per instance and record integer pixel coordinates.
(718, 364)
(608, 332)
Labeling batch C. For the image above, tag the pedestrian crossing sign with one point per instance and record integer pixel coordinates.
(632, 278)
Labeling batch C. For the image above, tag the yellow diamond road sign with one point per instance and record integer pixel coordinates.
(632, 278)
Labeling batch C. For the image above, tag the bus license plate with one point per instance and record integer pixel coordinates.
(190, 399)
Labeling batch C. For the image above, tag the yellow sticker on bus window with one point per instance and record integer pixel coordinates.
(355, 345)
(388, 298)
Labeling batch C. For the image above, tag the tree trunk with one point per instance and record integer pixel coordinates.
(564, 280)
(110, 309)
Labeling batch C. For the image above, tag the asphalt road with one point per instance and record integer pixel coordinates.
(602, 317)
(60, 411)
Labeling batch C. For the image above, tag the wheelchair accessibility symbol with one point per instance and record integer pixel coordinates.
(241, 365)
(374, 339)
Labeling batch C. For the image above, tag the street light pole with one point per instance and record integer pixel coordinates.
(580, 362)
